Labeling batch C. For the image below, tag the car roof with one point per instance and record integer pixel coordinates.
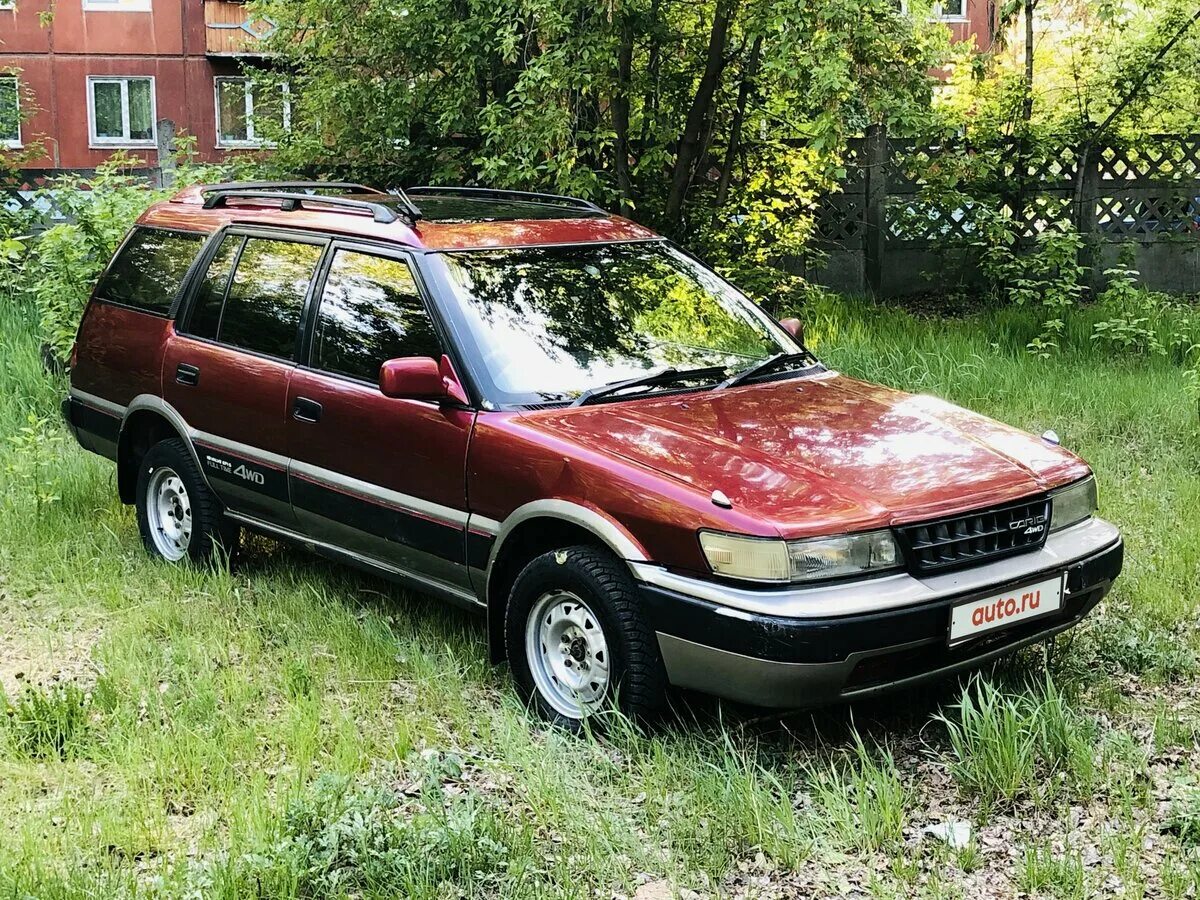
(426, 218)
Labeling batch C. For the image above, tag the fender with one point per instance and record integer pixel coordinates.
(151, 403)
(614, 536)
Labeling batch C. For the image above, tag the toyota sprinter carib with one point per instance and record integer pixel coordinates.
(528, 406)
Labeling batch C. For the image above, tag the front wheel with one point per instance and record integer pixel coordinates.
(178, 516)
(577, 641)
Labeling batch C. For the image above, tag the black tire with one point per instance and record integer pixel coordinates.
(212, 536)
(637, 681)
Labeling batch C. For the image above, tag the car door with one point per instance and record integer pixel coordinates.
(381, 477)
(227, 367)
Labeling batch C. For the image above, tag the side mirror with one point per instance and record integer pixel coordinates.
(421, 378)
(794, 327)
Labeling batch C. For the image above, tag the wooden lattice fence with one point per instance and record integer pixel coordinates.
(25, 191)
(907, 219)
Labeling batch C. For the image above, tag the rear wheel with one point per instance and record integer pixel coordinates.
(178, 516)
(577, 642)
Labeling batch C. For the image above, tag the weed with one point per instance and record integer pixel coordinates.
(1044, 871)
(1006, 746)
(862, 798)
(49, 722)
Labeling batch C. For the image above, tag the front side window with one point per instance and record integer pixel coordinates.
(371, 311)
(149, 269)
(552, 322)
(249, 114)
(261, 304)
(10, 111)
(122, 110)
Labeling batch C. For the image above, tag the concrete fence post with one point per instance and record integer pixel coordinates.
(166, 152)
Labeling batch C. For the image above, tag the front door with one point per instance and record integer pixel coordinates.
(227, 368)
(381, 477)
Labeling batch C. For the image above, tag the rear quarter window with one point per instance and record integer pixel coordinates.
(149, 269)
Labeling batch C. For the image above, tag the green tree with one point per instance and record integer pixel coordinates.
(659, 106)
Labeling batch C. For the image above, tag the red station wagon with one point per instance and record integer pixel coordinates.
(548, 413)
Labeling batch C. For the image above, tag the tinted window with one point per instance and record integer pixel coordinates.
(266, 297)
(210, 298)
(149, 270)
(371, 312)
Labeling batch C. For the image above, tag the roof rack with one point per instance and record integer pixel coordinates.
(346, 187)
(292, 195)
(500, 194)
(290, 201)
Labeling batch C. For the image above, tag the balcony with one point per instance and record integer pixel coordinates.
(231, 29)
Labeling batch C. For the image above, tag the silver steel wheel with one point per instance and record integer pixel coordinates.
(169, 513)
(567, 653)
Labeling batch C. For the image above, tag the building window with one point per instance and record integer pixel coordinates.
(947, 10)
(116, 5)
(248, 113)
(121, 111)
(10, 112)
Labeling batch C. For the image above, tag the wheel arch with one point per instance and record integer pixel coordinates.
(147, 420)
(537, 528)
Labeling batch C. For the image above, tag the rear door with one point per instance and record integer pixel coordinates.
(226, 369)
(382, 477)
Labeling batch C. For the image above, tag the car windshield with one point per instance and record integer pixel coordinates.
(553, 322)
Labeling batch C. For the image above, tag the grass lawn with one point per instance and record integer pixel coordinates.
(298, 729)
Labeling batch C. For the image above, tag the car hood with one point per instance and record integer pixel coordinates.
(824, 453)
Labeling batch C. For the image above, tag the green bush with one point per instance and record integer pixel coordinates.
(56, 270)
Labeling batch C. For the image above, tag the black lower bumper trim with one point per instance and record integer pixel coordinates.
(829, 640)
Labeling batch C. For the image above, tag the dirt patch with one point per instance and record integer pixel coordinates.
(45, 657)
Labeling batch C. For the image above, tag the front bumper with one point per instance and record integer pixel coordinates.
(810, 646)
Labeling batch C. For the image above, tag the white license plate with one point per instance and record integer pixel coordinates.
(1001, 610)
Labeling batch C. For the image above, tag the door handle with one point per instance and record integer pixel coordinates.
(186, 373)
(305, 410)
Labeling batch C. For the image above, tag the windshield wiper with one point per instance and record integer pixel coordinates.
(654, 379)
(766, 365)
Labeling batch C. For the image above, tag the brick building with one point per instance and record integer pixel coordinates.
(98, 75)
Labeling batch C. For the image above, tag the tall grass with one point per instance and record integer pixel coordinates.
(262, 729)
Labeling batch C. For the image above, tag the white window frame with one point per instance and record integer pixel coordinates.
(116, 5)
(9, 143)
(8, 4)
(936, 12)
(94, 140)
(248, 94)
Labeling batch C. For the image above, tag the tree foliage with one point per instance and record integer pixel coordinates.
(642, 104)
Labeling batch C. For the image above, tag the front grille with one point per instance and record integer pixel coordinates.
(976, 537)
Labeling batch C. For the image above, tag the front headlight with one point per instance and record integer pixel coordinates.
(837, 557)
(777, 561)
(1073, 504)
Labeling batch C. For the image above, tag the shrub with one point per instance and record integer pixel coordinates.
(56, 270)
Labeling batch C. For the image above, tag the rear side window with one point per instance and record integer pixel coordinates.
(371, 311)
(149, 269)
(259, 307)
